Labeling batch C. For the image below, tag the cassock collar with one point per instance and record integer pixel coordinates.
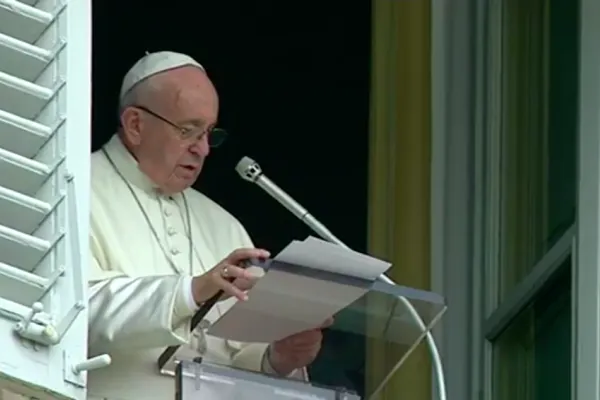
(127, 165)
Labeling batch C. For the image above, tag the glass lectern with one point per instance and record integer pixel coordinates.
(214, 382)
(383, 318)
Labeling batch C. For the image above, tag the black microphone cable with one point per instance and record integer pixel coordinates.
(204, 309)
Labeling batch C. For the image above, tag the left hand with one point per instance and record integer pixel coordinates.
(296, 351)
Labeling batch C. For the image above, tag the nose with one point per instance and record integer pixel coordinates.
(201, 147)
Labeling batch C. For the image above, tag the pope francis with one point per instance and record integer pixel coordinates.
(159, 248)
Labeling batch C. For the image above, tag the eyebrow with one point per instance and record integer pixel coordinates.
(198, 123)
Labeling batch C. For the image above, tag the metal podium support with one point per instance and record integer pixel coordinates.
(204, 381)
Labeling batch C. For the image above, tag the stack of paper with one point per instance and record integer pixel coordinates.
(283, 303)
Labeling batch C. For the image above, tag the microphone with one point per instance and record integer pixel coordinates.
(250, 171)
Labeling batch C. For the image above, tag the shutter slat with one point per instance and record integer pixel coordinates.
(22, 250)
(45, 71)
(21, 97)
(22, 136)
(22, 21)
(20, 286)
(22, 174)
(21, 59)
(21, 212)
(30, 2)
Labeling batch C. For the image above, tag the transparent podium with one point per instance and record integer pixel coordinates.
(207, 381)
(374, 334)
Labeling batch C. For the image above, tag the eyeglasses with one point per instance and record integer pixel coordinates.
(215, 136)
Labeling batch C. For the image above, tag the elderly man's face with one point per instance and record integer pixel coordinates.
(167, 133)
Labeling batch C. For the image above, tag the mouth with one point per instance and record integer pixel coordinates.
(190, 168)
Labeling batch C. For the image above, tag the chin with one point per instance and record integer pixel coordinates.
(188, 181)
(177, 186)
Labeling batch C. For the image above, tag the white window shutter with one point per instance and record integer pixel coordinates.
(45, 102)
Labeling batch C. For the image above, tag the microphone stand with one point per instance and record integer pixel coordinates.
(249, 170)
(322, 231)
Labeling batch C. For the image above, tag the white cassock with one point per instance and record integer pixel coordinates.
(139, 287)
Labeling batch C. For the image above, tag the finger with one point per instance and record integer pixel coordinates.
(300, 347)
(308, 338)
(245, 284)
(302, 338)
(290, 348)
(226, 276)
(291, 351)
(240, 255)
(303, 349)
(328, 322)
(234, 280)
(231, 290)
(306, 334)
(255, 271)
(233, 272)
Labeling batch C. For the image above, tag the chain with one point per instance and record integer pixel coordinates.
(147, 218)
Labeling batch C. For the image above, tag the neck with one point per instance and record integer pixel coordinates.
(127, 144)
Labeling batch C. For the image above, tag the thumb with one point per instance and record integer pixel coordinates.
(328, 322)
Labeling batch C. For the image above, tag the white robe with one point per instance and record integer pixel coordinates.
(137, 301)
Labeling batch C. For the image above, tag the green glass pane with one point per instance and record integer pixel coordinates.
(532, 357)
(538, 127)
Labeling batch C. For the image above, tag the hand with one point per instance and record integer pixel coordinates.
(229, 276)
(296, 351)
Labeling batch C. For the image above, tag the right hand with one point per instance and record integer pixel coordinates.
(218, 278)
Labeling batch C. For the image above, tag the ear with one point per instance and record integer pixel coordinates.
(131, 122)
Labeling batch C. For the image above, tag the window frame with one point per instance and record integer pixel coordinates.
(457, 29)
(459, 177)
(586, 280)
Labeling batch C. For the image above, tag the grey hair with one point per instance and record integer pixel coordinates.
(145, 91)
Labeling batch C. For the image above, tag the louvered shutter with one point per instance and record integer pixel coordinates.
(45, 53)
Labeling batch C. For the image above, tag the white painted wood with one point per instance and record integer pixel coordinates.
(21, 97)
(32, 134)
(22, 174)
(587, 271)
(22, 212)
(455, 78)
(45, 102)
(22, 21)
(23, 60)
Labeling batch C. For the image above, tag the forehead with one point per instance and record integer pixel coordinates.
(196, 107)
(194, 96)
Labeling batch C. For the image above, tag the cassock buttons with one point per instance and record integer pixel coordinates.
(174, 251)
(171, 231)
(167, 212)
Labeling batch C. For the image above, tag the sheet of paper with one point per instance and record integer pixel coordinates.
(282, 303)
(319, 254)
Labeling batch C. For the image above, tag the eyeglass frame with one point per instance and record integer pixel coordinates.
(185, 132)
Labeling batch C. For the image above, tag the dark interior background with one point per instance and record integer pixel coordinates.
(293, 79)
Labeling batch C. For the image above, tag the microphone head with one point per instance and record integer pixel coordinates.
(248, 169)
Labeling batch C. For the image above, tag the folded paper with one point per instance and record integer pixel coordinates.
(290, 300)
